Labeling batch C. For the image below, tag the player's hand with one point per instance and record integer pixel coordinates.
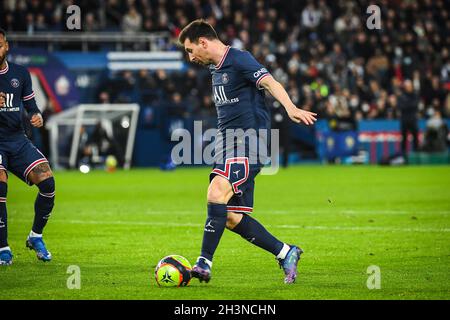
(302, 116)
(2, 99)
(36, 120)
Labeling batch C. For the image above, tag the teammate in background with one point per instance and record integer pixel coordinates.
(19, 156)
(237, 80)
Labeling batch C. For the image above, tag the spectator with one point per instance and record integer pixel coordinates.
(90, 23)
(311, 16)
(132, 21)
(113, 14)
(309, 45)
(409, 106)
(435, 134)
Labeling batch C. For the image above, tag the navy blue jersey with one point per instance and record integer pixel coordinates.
(238, 98)
(15, 82)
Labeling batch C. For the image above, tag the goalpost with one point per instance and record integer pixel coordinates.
(69, 124)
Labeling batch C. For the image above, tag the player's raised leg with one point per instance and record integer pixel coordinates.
(5, 252)
(254, 232)
(42, 176)
(219, 193)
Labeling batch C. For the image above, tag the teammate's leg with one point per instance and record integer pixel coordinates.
(219, 193)
(3, 212)
(5, 251)
(42, 176)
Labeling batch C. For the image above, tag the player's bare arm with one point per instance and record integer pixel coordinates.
(278, 92)
(36, 120)
(2, 99)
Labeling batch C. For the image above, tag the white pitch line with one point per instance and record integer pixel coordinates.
(356, 212)
(197, 225)
(385, 229)
(443, 212)
(304, 211)
(296, 211)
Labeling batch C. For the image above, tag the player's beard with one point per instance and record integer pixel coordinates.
(2, 59)
(202, 63)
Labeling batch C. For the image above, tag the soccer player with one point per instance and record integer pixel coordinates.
(19, 156)
(238, 81)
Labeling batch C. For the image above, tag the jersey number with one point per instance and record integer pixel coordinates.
(9, 100)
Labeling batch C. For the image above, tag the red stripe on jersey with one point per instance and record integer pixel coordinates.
(242, 209)
(223, 58)
(5, 70)
(31, 166)
(28, 97)
(262, 77)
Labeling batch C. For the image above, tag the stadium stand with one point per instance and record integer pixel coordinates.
(321, 51)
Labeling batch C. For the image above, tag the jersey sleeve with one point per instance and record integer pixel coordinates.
(28, 100)
(251, 69)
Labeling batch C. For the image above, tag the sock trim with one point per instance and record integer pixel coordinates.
(48, 195)
(283, 251)
(34, 234)
(208, 262)
(5, 249)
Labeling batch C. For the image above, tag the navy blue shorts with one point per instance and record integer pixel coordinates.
(20, 156)
(241, 176)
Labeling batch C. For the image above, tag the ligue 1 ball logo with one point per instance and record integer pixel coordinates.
(225, 78)
(15, 83)
(173, 271)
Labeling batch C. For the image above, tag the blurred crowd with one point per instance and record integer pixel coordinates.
(322, 51)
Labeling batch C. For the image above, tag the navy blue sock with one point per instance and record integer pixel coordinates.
(214, 227)
(44, 204)
(3, 215)
(254, 232)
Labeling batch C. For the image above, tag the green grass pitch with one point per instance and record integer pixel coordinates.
(116, 226)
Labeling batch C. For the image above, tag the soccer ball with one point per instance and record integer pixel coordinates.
(111, 163)
(173, 271)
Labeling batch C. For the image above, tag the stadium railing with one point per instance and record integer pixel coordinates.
(153, 41)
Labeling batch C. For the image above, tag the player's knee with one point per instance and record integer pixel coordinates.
(219, 191)
(217, 195)
(233, 220)
(40, 173)
(3, 176)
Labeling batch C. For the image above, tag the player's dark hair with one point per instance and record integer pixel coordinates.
(3, 33)
(196, 29)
